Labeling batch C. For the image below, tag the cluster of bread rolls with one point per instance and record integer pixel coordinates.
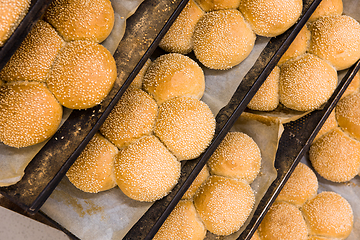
(11, 12)
(153, 128)
(222, 33)
(335, 153)
(308, 69)
(220, 199)
(60, 63)
(299, 213)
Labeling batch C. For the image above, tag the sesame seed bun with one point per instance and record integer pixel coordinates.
(82, 75)
(138, 80)
(256, 236)
(283, 221)
(186, 126)
(306, 82)
(81, 20)
(35, 56)
(183, 223)
(353, 86)
(329, 124)
(11, 12)
(298, 47)
(238, 156)
(93, 170)
(29, 114)
(348, 115)
(328, 215)
(318, 238)
(199, 180)
(132, 117)
(174, 75)
(179, 38)
(222, 39)
(224, 204)
(327, 8)
(336, 156)
(271, 18)
(213, 5)
(146, 170)
(267, 97)
(301, 186)
(336, 39)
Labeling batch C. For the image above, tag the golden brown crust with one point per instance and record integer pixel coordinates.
(348, 115)
(283, 221)
(224, 204)
(186, 126)
(35, 56)
(267, 97)
(174, 75)
(271, 18)
(29, 114)
(146, 170)
(301, 186)
(238, 156)
(256, 236)
(179, 38)
(81, 20)
(132, 117)
(11, 12)
(222, 39)
(93, 169)
(353, 86)
(329, 124)
(329, 215)
(199, 180)
(183, 223)
(138, 80)
(214, 5)
(336, 156)
(336, 39)
(306, 82)
(82, 75)
(327, 8)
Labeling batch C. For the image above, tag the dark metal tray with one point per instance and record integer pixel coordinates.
(47, 168)
(36, 10)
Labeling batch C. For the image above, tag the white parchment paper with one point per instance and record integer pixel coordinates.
(13, 161)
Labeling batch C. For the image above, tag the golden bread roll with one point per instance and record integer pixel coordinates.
(348, 115)
(306, 82)
(318, 238)
(283, 221)
(336, 39)
(267, 97)
(214, 5)
(146, 170)
(329, 124)
(186, 126)
(82, 75)
(93, 170)
(81, 20)
(256, 236)
(222, 39)
(183, 223)
(138, 80)
(328, 215)
(29, 113)
(132, 117)
(199, 180)
(11, 12)
(32, 61)
(336, 156)
(174, 75)
(224, 204)
(179, 38)
(327, 8)
(301, 186)
(353, 86)
(298, 47)
(238, 156)
(271, 18)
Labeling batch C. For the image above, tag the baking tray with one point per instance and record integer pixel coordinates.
(36, 10)
(151, 221)
(47, 168)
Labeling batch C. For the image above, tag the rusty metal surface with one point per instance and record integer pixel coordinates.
(44, 172)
